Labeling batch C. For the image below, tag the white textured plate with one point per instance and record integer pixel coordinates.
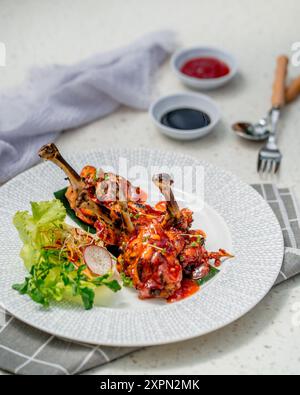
(234, 216)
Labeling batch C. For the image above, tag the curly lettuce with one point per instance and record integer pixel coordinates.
(37, 230)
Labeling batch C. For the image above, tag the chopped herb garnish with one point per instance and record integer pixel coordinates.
(127, 281)
(162, 250)
(194, 244)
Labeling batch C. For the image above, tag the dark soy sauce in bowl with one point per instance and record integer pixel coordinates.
(186, 119)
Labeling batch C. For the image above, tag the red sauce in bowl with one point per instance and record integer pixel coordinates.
(205, 68)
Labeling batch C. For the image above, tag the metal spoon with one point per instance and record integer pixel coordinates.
(255, 132)
(260, 131)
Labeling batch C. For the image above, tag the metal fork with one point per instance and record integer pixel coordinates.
(269, 158)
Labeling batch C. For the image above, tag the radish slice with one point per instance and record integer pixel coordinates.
(98, 260)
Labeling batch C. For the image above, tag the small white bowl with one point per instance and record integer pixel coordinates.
(182, 56)
(195, 101)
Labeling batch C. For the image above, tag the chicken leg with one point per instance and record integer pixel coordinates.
(164, 182)
(77, 194)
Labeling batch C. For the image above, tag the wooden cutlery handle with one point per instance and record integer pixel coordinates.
(293, 90)
(278, 98)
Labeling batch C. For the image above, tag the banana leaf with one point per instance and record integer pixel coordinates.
(212, 273)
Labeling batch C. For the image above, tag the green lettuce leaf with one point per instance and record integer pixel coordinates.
(37, 230)
(51, 275)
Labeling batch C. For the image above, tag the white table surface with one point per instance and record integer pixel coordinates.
(266, 341)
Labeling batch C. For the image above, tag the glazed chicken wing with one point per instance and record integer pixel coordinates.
(163, 257)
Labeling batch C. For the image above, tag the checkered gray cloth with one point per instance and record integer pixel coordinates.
(25, 350)
(285, 206)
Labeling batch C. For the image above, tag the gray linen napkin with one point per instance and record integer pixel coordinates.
(25, 350)
(57, 98)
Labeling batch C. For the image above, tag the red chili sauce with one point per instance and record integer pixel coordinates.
(205, 68)
(188, 288)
